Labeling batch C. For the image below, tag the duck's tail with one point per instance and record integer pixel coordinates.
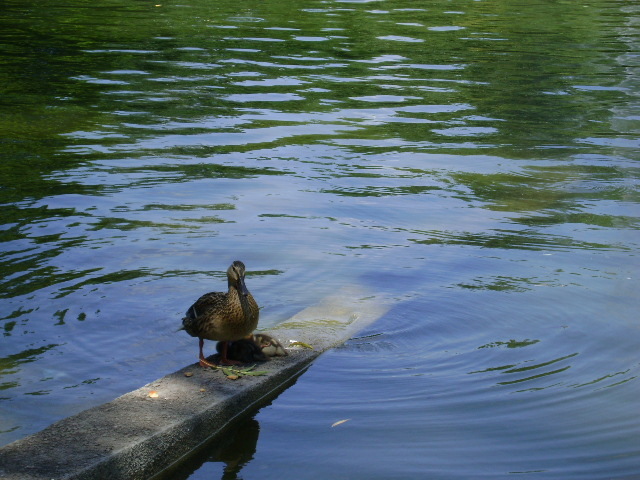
(186, 321)
(189, 324)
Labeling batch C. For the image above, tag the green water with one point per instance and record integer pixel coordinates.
(473, 165)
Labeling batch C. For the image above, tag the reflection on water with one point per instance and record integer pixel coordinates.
(225, 457)
(238, 449)
(474, 165)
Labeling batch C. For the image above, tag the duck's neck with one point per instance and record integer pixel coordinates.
(242, 299)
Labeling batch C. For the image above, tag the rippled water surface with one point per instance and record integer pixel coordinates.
(472, 165)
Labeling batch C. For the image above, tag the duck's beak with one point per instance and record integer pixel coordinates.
(242, 288)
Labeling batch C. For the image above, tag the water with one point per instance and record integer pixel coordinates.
(473, 165)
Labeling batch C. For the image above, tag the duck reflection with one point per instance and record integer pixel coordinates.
(238, 449)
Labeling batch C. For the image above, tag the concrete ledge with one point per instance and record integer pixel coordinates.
(136, 436)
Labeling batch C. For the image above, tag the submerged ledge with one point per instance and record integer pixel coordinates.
(136, 436)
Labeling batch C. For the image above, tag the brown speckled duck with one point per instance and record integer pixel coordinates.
(223, 316)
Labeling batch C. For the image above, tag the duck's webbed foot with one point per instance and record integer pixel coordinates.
(203, 361)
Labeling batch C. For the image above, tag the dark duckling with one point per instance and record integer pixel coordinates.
(222, 316)
(255, 348)
(244, 351)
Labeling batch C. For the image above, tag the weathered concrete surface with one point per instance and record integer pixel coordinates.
(136, 436)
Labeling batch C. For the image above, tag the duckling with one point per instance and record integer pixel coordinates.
(254, 348)
(244, 350)
(223, 316)
(269, 345)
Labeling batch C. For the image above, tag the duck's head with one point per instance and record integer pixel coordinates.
(235, 277)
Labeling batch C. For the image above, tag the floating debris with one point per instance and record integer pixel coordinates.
(340, 422)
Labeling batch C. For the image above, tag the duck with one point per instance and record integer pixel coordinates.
(224, 317)
(257, 347)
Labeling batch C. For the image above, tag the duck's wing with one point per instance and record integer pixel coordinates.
(204, 304)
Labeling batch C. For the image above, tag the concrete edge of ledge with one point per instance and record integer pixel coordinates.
(137, 436)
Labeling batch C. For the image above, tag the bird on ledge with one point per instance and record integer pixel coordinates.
(224, 317)
(254, 348)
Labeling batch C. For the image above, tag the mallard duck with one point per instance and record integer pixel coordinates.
(223, 316)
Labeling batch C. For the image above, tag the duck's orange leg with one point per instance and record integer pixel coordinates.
(223, 356)
(203, 361)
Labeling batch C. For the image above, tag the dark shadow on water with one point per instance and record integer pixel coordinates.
(237, 448)
(240, 449)
(233, 447)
